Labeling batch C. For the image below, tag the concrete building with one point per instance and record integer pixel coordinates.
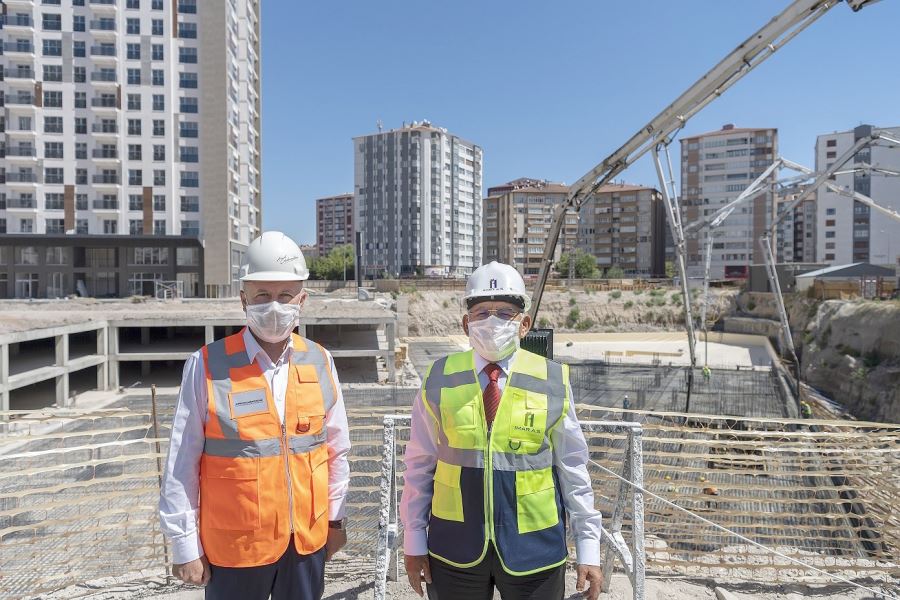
(715, 168)
(334, 222)
(625, 226)
(517, 218)
(850, 232)
(796, 242)
(418, 201)
(133, 118)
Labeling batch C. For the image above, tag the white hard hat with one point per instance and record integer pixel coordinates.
(273, 256)
(496, 279)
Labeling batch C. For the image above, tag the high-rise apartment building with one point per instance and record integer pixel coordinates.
(850, 232)
(624, 226)
(334, 222)
(715, 168)
(796, 241)
(126, 123)
(517, 218)
(418, 201)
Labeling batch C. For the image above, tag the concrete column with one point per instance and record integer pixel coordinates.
(145, 343)
(4, 378)
(103, 350)
(62, 360)
(113, 344)
(210, 333)
(390, 334)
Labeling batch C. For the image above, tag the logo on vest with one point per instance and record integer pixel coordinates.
(529, 424)
(250, 402)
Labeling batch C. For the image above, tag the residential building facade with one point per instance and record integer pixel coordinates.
(334, 222)
(851, 232)
(715, 168)
(796, 241)
(517, 219)
(624, 226)
(417, 191)
(132, 118)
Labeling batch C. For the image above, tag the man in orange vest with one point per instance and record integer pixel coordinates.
(253, 494)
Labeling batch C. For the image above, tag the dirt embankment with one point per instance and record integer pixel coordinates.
(440, 313)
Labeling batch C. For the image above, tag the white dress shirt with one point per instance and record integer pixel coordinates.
(180, 494)
(570, 456)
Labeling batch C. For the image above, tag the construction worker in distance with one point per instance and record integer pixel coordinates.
(495, 461)
(706, 373)
(253, 493)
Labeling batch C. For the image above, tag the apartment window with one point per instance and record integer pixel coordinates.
(133, 26)
(159, 177)
(52, 72)
(830, 211)
(78, 23)
(135, 226)
(159, 152)
(134, 102)
(81, 226)
(830, 143)
(831, 155)
(81, 150)
(190, 204)
(135, 177)
(156, 4)
(187, 80)
(187, 30)
(190, 179)
(190, 154)
(134, 76)
(55, 225)
(188, 105)
(189, 129)
(829, 223)
(829, 234)
(159, 127)
(53, 175)
(157, 27)
(134, 152)
(81, 176)
(187, 257)
(79, 74)
(53, 201)
(156, 52)
(190, 227)
(159, 102)
(26, 256)
(829, 256)
(187, 56)
(52, 47)
(158, 77)
(829, 245)
(77, 50)
(187, 7)
(53, 150)
(159, 203)
(51, 22)
(52, 99)
(149, 256)
(53, 124)
(81, 125)
(134, 127)
(133, 51)
(135, 202)
(110, 226)
(81, 202)
(159, 227)
(133, 4)
(80, 100)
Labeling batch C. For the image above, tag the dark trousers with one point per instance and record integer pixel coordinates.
(293, 577)
(477, 583)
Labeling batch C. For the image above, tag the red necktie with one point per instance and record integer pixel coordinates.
(491, 392)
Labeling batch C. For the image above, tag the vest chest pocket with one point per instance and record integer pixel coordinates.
(535, 500)
(446, 501)
(459, 420)
(528, 421)
(229, 493)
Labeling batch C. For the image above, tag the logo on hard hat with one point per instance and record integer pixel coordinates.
(493, 284)
(285, 259)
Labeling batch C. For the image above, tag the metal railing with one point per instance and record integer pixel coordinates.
(631, 554)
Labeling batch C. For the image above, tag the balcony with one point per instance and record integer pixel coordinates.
(101, 103)
(102, 77)
(101, 204)
(19, 76)
(105, 179)
(105, 129)
(105, 153)
(103, 51)
(103, 5)
(14, 21)
(23, 203)
(19, 47)
(21, 152)
(25, 178)
(103, 25)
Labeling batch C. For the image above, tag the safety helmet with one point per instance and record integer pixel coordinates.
(273, 256)
(494, 281)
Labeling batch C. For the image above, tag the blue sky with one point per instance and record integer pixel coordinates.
(548, 89)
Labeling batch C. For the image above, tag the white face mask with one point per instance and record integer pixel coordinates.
(493, 338)
(273, 321)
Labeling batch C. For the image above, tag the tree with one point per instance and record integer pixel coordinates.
(336, 265)
(615, 273)
(670, 269)
(585, 265)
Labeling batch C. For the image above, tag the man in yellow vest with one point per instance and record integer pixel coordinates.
(497, 462)
(253, 494)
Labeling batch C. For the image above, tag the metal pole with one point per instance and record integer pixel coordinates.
(159, 469)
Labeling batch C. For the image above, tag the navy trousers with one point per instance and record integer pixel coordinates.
(293, 577)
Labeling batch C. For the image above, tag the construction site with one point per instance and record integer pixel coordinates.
(731, 452)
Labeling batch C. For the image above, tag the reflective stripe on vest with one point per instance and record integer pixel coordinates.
(248, 508)
(501, 485)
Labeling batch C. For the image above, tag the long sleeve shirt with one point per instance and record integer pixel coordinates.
(180, 494)
(570, 456)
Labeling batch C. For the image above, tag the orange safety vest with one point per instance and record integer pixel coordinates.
(261, 479)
